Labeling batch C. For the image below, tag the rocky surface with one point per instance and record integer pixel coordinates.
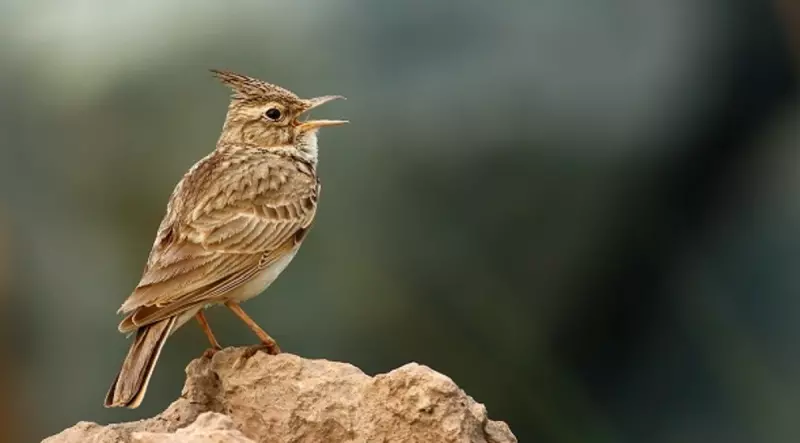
(285, 398)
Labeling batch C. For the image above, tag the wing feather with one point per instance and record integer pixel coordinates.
(223, 240)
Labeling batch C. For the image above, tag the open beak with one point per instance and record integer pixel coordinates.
(315, 124)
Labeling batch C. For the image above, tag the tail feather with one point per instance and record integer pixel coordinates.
(130, 385)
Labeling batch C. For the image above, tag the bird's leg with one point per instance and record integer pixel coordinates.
(267, 343)
(201, 318)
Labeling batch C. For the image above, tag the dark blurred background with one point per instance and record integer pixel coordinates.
(585, 213)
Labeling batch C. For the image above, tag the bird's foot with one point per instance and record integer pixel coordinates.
(270, 348)
(208, 353)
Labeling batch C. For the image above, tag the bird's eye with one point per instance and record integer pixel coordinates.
(273, 114)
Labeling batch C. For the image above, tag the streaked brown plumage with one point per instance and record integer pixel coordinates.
(233, 223)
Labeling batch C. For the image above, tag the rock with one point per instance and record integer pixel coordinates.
(285, 398)
(210, 427)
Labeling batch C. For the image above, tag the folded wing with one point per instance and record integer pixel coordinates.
(222, 239)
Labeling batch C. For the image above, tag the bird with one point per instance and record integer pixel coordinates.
(233, 223)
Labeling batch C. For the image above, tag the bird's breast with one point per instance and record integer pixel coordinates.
(265, 278)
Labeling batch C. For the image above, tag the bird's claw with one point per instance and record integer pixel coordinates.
(208, 353)
(269, 348)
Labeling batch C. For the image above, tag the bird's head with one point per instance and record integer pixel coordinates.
(268, 116)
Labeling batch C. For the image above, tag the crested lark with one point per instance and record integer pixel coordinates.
(233, 223)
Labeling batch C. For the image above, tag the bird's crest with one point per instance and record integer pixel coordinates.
(250, 89)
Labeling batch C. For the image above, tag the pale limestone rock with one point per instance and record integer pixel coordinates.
(286, 398)
(210, 427)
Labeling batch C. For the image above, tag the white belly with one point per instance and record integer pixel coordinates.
(262, 281)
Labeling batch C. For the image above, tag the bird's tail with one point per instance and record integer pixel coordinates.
(130, 385)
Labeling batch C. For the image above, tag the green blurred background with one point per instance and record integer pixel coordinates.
(585, 213)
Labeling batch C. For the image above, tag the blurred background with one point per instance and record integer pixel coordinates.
(586, 213)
